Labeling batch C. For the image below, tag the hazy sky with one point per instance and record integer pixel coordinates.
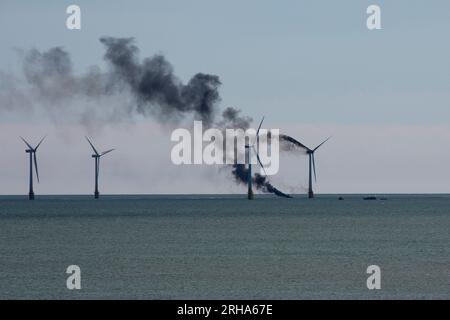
(311, 67)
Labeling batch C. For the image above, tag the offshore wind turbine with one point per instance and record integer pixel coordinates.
(312, 165)
(97, 157)
(249, 148)
(33, 159)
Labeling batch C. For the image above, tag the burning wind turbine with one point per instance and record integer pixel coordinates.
(312, 161)
(248, 149)
(243, 174)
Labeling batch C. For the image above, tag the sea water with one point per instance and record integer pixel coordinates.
(225, 247)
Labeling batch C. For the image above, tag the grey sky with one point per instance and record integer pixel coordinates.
(311, 67)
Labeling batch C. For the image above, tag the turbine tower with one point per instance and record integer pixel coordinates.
(248, 149)
(33, 159)
(250, 194)
(97, 157)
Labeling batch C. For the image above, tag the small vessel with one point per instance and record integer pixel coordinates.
(370, 198)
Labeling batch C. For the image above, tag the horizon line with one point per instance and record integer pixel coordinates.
(228, 194)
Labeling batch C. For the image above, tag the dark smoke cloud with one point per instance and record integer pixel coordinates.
(51, 86)
(50, 76)
(233, 119)
(155, 85)
(240, 173)
(11, 97)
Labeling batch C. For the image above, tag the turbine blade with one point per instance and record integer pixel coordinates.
(259, 160)
(105, 152)
(314, 167)
(257, 132)
(40, 143)
(36, 166)
(295, 142)
(321, 144)
(93, 148)
(259, 128)
(26, 143)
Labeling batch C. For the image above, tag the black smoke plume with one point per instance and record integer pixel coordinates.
(155, 85)
(240, 173)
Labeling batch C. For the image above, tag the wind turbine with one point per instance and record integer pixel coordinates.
(312, 167)
(97, 157)
(249, 149)
(33, 158)
(312, 164)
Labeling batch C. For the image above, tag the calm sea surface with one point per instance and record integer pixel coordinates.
(225, 247)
